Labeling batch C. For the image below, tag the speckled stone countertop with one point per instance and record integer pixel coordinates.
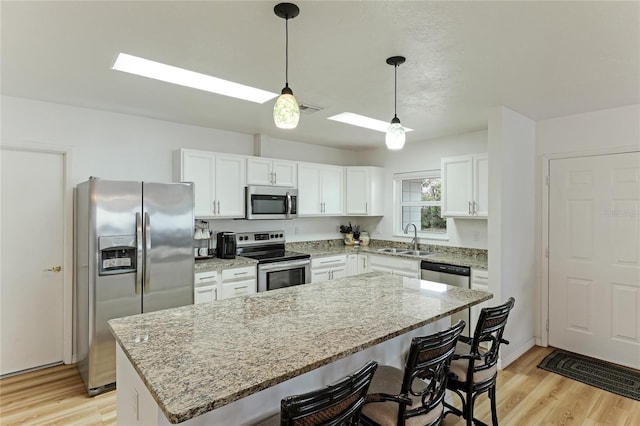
(197, 358)
(451, 255)
(216, 263)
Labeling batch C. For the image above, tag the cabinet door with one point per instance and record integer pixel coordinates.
(238, 288)
(481, 185)
(352, 265)
(332, 190)
(230, 183)
(285, 173)
(199, 167)
(320, 275)
(259, 171)
(456, 186)
(309, 189)
(339, 272)
(363, 261)
(204, 294)
(358, 191)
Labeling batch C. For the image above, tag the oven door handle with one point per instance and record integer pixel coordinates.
(283, 265)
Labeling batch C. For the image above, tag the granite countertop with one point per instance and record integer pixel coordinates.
(197, 358)
(215, 263)
(458, 259)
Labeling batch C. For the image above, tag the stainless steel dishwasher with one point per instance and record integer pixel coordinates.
(458, 276)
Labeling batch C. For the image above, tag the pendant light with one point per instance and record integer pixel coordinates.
(395, 133)
(286, 111)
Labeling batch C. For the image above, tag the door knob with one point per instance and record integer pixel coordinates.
(56, 268)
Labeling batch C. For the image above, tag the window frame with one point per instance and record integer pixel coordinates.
(398, 204)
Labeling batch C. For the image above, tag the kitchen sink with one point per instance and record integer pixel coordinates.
(417, 252)
(404, 251)
(392, 250)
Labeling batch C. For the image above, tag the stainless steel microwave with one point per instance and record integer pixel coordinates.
(269, 202)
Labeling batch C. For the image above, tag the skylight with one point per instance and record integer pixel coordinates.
(170, 74)
(362, 121)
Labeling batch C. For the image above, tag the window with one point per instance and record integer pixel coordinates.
(419, 202)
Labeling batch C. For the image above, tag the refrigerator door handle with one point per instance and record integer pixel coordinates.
(147, 253)
(138, 253)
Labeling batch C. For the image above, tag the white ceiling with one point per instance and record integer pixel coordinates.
(543, 59)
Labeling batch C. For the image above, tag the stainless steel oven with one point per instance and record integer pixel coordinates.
(277, 267)
(272, 276)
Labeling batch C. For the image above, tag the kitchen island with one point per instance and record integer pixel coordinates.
(230, 362)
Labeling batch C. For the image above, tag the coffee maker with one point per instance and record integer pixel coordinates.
(226, 245)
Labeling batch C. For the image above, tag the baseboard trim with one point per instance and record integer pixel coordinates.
(503, 362)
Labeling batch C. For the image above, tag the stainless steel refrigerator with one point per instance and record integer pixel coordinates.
(134, 254)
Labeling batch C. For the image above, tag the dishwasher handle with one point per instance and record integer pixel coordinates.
(445, 268)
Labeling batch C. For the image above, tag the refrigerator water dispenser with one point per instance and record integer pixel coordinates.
(117, 254)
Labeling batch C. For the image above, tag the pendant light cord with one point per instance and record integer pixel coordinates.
(286, 54)
(395, 90)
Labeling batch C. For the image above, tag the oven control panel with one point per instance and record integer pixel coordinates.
(263, 237)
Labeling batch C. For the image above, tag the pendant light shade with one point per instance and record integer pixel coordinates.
(395, 137)
(286, 112)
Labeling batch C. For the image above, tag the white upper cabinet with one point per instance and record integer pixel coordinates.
(465, 191)
(219, 181)
(270, 172)
(364, 194)
(320, 190)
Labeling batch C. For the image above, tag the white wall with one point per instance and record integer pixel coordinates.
(119, 146)
(512, 225)
(426, 155)
(596, 132)
(266, 146)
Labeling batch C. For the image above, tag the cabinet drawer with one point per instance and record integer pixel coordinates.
(328, 261)
(479, 277)
(238, 288)
(203, 278)
(238, 273)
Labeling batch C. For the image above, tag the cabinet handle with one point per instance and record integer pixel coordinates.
(218, 206)
(366, 207)
(275, 178)
(469, 208)
(271, 178)
(240, 273)
(241, 287)
(214, 206)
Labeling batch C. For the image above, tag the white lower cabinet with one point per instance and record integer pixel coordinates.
(479, 281)
(238, 282)
(205, 294)
(394, 265)
(328, 268)
(356, 264)
(205, 287)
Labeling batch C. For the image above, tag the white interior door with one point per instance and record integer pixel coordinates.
(594, 256)
(31, 287)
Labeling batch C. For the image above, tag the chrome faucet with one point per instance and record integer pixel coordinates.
(415, 235)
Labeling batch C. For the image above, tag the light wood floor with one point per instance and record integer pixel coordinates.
(526, 396)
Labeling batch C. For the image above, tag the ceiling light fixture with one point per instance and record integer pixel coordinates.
(363, 121)
(170, 74)
(395, 133)
(286, 112)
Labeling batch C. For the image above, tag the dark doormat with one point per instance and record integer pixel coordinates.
(610, 377)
